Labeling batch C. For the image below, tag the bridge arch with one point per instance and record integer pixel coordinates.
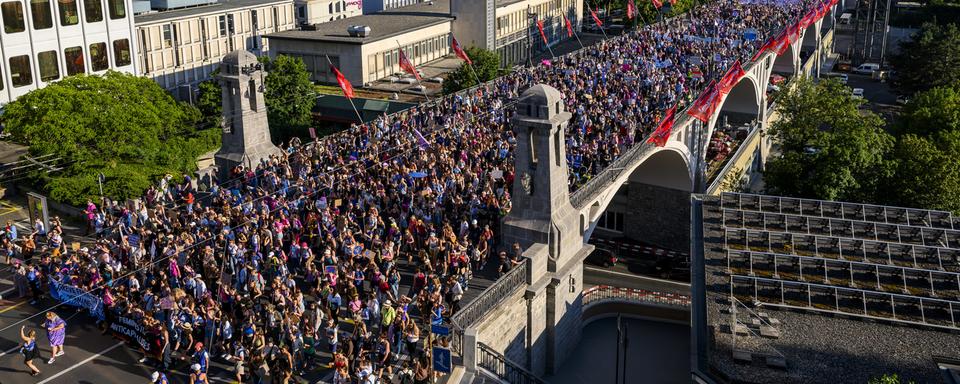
(786, 65)
(666, 168)
(740, 106)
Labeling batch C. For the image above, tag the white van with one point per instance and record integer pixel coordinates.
(867, 68)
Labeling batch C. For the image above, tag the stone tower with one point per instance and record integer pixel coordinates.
(246, 133)
(545, 224)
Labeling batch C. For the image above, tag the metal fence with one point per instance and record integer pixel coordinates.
(491, 297)
(607, 293)
(503, 368)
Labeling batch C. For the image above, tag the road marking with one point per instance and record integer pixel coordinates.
(595, 269)
(13, 306)
(84, 361)
(4, 293)
(4, 353)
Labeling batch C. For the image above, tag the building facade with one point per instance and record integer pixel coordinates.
(371, 6)
(321, 11)
(45, 40)
(509, 27)
(180, 48)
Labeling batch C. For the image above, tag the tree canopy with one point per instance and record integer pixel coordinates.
(926, 173)
(930, 59)
(486, 63)
(931, 111)
(124, 126)
(830, 149)
(289, 94)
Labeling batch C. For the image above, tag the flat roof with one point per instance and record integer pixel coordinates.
(219, 7)
(382, 25)
(841, 330)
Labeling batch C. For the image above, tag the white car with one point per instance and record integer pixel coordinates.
(858, 93)
(843, 78)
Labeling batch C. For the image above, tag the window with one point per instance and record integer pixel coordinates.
(121, 52)
(117, 10)
(167, 35)
(253, 20)
(338, 7)
(40, 11)
(301, 12)
(12, 17)
(49, 68)
(223, 25)
(20, 74)
(73, 56)
(98, 56)
(230, 24)
(93, 10)
(68, 12)
(330, 8)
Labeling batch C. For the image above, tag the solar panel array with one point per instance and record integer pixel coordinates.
(879, 262)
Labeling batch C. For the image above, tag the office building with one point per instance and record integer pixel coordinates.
(320, 11)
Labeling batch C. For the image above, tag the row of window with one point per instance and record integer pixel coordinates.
(41, 13)
(21, 73)
(383, 63)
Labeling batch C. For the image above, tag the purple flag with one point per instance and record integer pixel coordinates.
(420, 139)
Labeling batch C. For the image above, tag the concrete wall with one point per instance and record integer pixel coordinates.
(568, 310)
(659, 216)
(505, 329)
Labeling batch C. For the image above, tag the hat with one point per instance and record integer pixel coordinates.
(154, 376)
(195, 367)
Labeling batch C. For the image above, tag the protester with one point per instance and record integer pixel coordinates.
(29, 350)
(56, 333)
(303, 260)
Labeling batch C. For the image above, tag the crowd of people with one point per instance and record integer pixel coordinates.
(341, 253)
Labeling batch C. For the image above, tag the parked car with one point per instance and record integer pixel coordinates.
(602, 257)
(843, 78)
(903, 99)
(858, 93)
(866, 68)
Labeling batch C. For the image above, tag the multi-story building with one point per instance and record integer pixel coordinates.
(45, 40)
(509, 26)
(371, 6)
(181, 47)
(371, 53)
(319, 11)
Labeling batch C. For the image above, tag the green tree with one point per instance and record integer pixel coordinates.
(830, 149)
(887, 379)
(486, 63)
(124, 126)
(926, 174)
(931, 111)
(289, 94)
(930, 59)
(210, 104)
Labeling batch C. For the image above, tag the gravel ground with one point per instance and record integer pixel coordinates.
(818, 348)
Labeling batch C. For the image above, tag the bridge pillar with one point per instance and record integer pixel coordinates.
(544, 223)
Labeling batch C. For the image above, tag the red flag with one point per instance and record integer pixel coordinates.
(459, 51)
(662, 134)
(569, 26)
(783, 44)
(731, 78)
(770, 43)
(407, 66)
(543, 35)
(658, 4)
(595, 18)
(706, 104)
(344, 83)
(631, 9)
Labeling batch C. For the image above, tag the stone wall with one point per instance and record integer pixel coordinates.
(659, 216)
(569, 308)
(505, 329)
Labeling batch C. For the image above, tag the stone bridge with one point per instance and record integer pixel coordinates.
(532, 317)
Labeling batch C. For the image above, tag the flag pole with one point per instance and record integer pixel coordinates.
(600, 26)
(474, 72)
(355, 110)
(416, 76)
(575, 34)
(544, 36)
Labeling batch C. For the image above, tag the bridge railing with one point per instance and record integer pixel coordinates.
(602, 293)
(503, 368)
(491, 297)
